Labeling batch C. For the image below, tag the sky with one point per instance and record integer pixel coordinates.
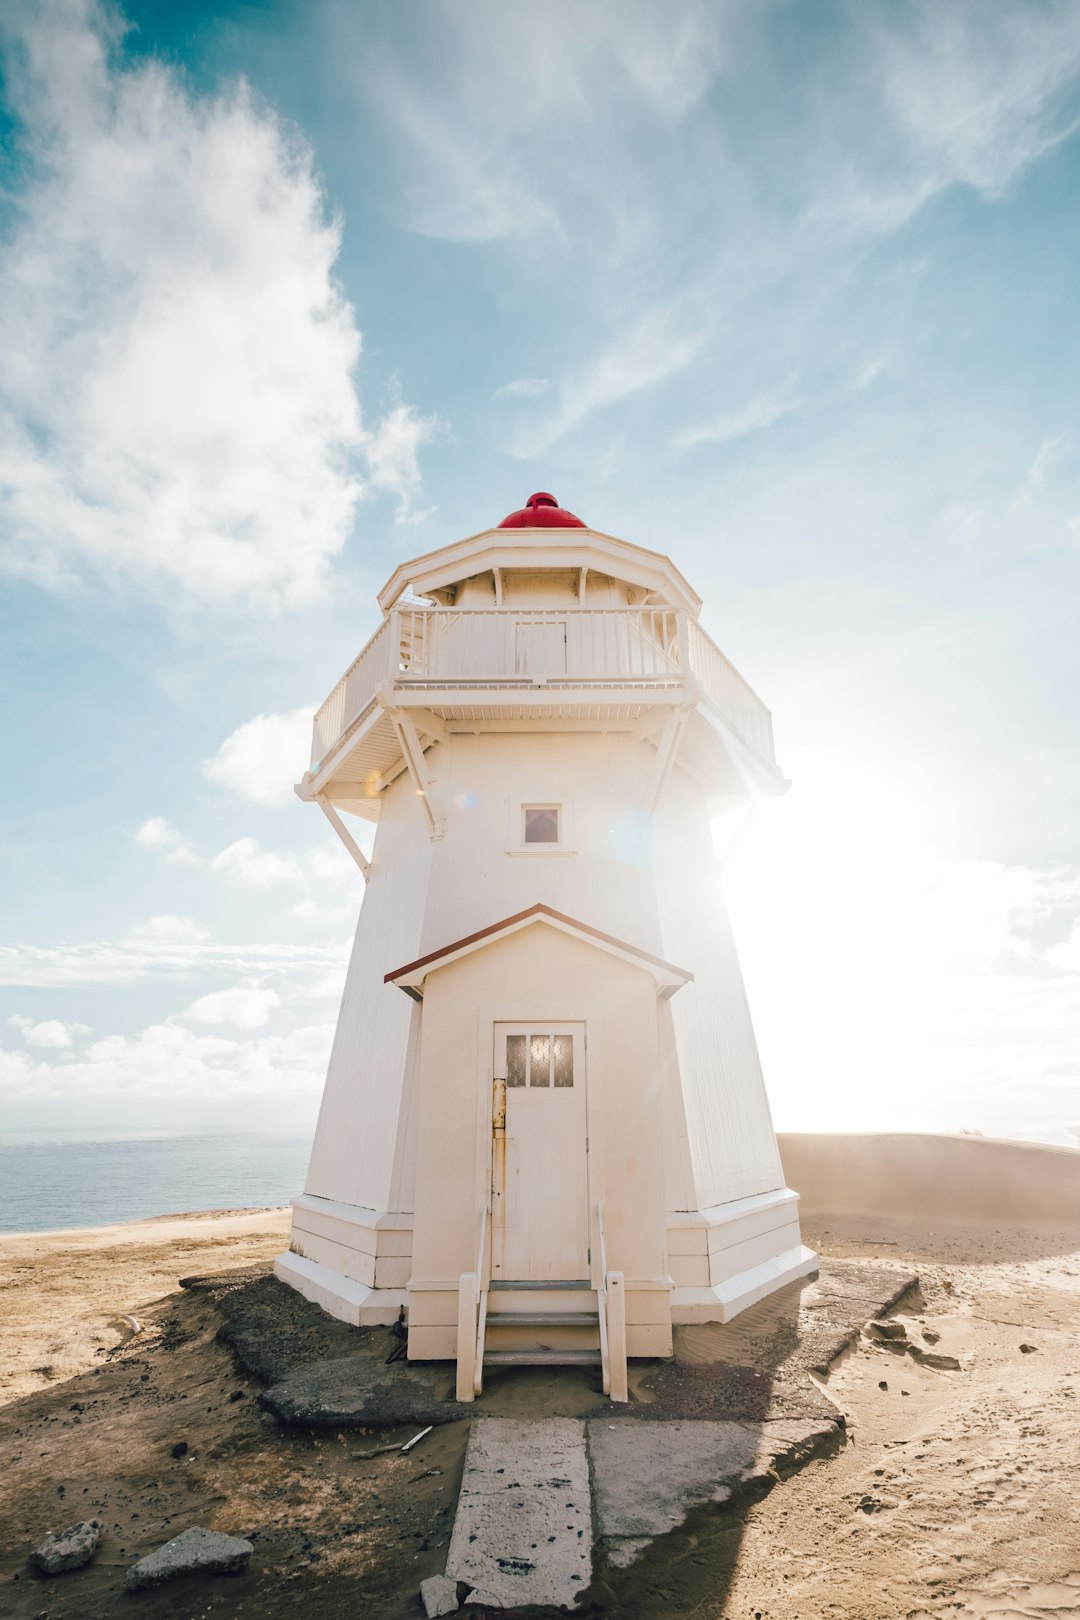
(292, 292)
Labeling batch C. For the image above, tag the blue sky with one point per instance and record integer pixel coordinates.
(290, 292)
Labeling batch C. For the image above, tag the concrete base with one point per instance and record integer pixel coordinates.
(350, 1301)
(726, 1299)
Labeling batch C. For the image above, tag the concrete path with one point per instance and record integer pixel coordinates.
(523, 1532)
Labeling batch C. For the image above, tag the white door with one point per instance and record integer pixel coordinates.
(541, 647)
(540, 1189)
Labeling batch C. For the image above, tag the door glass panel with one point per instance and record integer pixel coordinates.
(540, 1060)
(564, 1060)
(515, 1060)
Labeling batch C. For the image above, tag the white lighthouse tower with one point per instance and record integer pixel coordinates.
(544, 1130)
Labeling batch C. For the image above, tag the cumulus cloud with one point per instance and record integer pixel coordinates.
(178, 403)
(250, 763)
(50, 1032)
(171, 1061)
(262, 759)
(393, 457)
(248, 861)
(157, 834)
(247, 1006)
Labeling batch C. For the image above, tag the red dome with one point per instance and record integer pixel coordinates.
(541, 512)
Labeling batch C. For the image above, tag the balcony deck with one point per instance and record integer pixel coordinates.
(499, 668)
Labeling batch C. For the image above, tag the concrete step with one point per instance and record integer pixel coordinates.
(530, 1319)
(541, 1358)
(503, 1284)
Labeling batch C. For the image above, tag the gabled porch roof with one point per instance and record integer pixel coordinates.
(410, 978)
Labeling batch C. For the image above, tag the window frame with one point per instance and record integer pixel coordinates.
(516, 844)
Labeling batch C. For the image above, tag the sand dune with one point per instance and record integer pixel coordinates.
(967, 1180)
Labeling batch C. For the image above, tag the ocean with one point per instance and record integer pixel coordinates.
(59, 1179)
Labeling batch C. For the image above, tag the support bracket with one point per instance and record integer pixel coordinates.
(344, 834)
(666, 748)
(413, 754)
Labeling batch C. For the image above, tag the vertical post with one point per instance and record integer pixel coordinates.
(616, 1326)
(682, 626)
(466, 1335)
(395, 643)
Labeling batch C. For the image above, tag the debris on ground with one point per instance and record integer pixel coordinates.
(69, 1549)
(193, 1552)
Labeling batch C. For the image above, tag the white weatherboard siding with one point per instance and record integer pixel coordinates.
(356, 1145)
(729, 1127)
(474, 881)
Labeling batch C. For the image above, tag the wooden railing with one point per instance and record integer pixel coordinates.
(725, 688)
(376, 664)
(611, 1311)
(472, 1316)
(565, 648)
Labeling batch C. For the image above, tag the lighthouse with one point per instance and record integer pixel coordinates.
(544, 1130)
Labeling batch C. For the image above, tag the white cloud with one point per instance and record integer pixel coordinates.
(761, 412)
(157, 834)
(167, 1060)
(149, 956)
(1049, 453)
(654, 346)
(328, 986)
(332, 863)
(393, 450)
(244, 1005)
(168, 928)
(177, 404)
(248, 861)
(262, 759)
(50, 1032)
(524, 388)
(475, 173)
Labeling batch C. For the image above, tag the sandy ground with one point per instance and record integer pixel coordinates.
(957, 1495)
(63, 1295)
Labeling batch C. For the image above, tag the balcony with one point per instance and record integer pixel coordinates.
(490, 665)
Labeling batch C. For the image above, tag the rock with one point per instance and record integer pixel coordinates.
(193, 1552)
(931, 1358)
(887, 1330)
(480, 1599)
(1028, 1349)
(931, 1335)
(348, 1394)
(439, 1595)
(180, 1449)
(883, 1384)
(71, 1549)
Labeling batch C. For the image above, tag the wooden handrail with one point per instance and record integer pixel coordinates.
(600, 1272)
(611, 1314)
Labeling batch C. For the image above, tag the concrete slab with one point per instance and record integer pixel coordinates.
(523, 1532)
(647, 1478)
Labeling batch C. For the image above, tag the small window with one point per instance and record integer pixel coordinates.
(541, 823)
